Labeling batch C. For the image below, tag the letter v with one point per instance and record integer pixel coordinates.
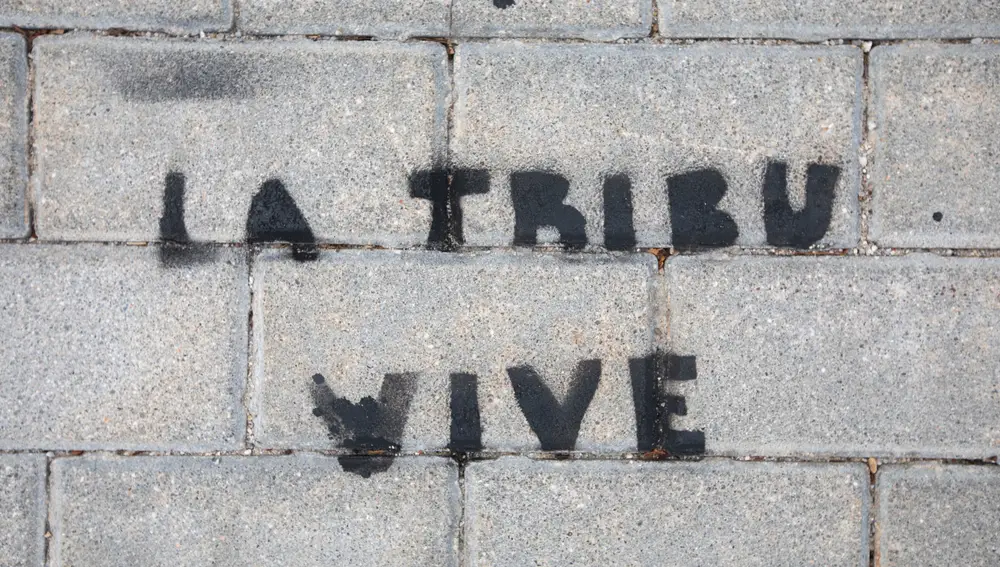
(556, 425)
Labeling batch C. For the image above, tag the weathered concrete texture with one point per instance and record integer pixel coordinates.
(937, 154)
(301, 510)
(176, 16)
(13, 136)
(596, 20)
(384, 18)
(22, 510)
(339, 126)
(355, 316)
(846, 356)
(824, 19)
(587, 112)
(522, 512)
(938, 515)
(101, 347)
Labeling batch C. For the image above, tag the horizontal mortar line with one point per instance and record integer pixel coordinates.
(644, 40)
(493, 455)
(590, 251)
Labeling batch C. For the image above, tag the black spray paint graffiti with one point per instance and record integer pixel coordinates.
(538, 199)
(376, 426)
(503, 4)
(369, 425)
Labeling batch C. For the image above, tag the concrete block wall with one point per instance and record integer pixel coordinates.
(499, 282)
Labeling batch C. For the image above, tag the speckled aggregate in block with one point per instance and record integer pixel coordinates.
(595, 20)
(813, 20)
(590, 111)
(341, 125)
(229, 511)
(847, 356)
(935, 514)
(523, 512)
(355, 316)
(937, 154)
(381, 18)
(176, 16)
(22, 510)
(102, 347)
(13, 136)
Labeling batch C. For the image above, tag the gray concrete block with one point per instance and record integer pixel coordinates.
(13, 136)
(938, 515)
(102, 347)
(22, 501)
(937, 153)
(522, 512)
(339, 126)
(354, 317)
(174, 16)
(846, 356)
(385, 18)
(228, 511)
(812, 21)
(595, 20)
(702, 114)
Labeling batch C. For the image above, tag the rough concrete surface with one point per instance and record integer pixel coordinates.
(102, 347)
(355, 316)
(338, 126)
(595, 20)
(175, 16)
(295, 510)
(846, 356)
(936, 514)
(524, 512)
(937, 153)
(813, 20)
(588, 112)
(22, 510)
(13, 136)
(382, 18)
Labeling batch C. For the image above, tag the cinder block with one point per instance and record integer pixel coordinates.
(13, 136)
(814, 21)
(937, 153)
(596, 20)
(660, 145)
(22, 499)
(522, 512)
(102, 347)
(229, 511)
(381, 18)
(320, 137)
(428, 319)
(846, 356)
(938, 515)
(174, 16)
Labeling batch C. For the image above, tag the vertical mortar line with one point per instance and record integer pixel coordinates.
(249, 388)
(234, 21)
(873, 555)
(865, 154)
(29, 135)
(654, 28)
(462, 463)
(47, 536)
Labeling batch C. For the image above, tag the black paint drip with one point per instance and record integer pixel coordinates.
(556, 425)
(445, 189)
(538, 202)
(173, 229)
(802, 229)
(466, 426)
(274, 217)
(619, 231)
(653, 407)
(369, 425)
(503, 4)
(694, 219)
